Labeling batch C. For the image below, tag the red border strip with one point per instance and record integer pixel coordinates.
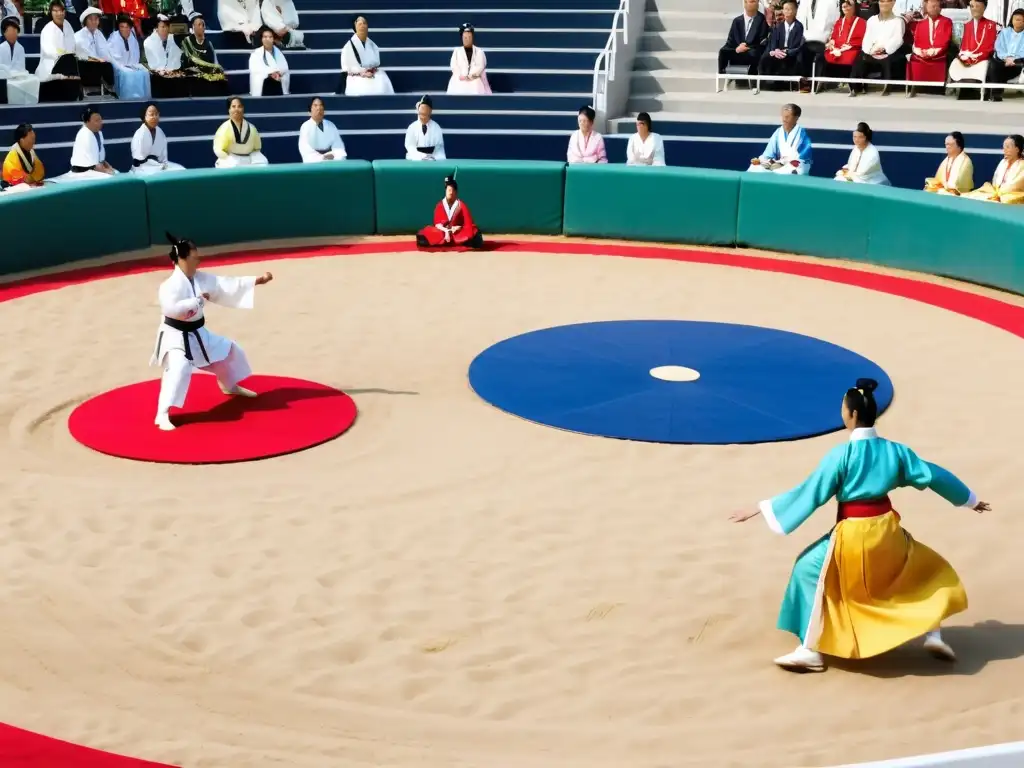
(1008, 317)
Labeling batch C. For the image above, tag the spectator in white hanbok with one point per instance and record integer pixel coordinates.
(360, 64)
(240, 17)
(131, 79)
(237, 142)
(149, 145)
(282, 17)
(424, 139)
(268, 68)
(58, 65)
(469, 67)
(645, 147)
(789, 150)
(166, 78)
(94, 59)
(319, 139)
(865, 164)
(89, 155)
(22, 86)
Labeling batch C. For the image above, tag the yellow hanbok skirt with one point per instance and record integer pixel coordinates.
(880, 588)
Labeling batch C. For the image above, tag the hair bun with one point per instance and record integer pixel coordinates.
(868, 385)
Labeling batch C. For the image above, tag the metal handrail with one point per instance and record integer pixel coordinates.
(611, 48)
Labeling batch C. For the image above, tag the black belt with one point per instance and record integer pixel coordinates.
(137, 163)
(80, 168)
(426, 150)
(322, 151)
(186, 327)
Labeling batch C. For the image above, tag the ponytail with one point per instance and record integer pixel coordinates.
(861, 398)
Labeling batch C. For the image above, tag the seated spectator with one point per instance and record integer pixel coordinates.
(283, 18)
(268, 68)
(240, 18)
(360, 64)
(783, 55)
(424, 139)
(94, 59)
(89, 155)
(585, 144)
(930, 52)
(745, 44)
(789, 150)
(883, 49)
(199, 60)
(865, 164)
(166, 79)
(1007, 185)
(57, 69)
(645, 147)
(23, 171)
(131, 79)
(453, 224)
(22, 87)
(844, 44)
(1008, 62)
(956, 171)
(319, 139)
(819, 18)
(149, 145)
(976, 48)
(469, 67)
(237, 142)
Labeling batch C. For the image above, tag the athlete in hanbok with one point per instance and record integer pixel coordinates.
(956, 171)
(183, 343)
(23, 171)
(453, 224)
(789, 150)
(89, 155)
(268, 68)
(22, 85)
(149, 145)
(867, 586)
(585, 144)
(424, 139)
(360, 64)
(237, 142)
(645, 147)
(131, 79)
(469, 67)
(319, 139)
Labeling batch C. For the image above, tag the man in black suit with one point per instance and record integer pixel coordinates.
(747, 37)
(785, 49)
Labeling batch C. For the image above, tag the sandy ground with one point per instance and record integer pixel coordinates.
(447, 585)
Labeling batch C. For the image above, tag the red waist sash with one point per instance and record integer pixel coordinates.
(865, 508)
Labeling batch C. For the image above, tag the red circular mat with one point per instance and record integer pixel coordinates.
(287, 415)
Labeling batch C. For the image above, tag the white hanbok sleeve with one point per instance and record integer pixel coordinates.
(257, 73)
(658, 157)
(85, 152)
(306, 150)
(118, 54)
(412, 141)
(337, 145)
(479, 63)
(139, 144)
(456, 63)
(438, 153)
(52, 43)
(632, 154)
(349, 65)
(285, 18)
(232, 292)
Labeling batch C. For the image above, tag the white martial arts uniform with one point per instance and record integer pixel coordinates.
(316, 141)
(87, 152)
(149, 152)
(22, 86)
(262, 64)
(181, 301)
(282, 14)
(356, 58)
(416, 137)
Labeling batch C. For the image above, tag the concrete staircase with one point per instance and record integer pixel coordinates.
(674, 80)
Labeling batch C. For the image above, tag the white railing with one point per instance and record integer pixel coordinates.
(614, 65)
(907, 84)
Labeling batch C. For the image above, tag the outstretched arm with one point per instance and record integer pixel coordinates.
(233, 292)
(921, 474)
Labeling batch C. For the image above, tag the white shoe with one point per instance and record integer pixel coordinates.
(802, 660)
(938, 648)
(164, 422)
(240, 391)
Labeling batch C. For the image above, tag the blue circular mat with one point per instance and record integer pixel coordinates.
(740, 383)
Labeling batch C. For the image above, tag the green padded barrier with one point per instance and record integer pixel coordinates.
(62, 223)
(966, 239)
(805, 215)
(504, 197)
(664, 204)
(233, 205)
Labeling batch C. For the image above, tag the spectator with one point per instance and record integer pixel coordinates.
(166, 78)
(1007, 185)
(94, 59)
(469, 67)
(865, 164)
(930, 53)
(360, 64)
(89, 154)
(23, 171)
(956, 171)
(1008, 62)
(645, 147)
(237, 142)
(149, 145)
(789, 150)
(424, 139)
(22, 87)
(745, 44)
(57, 69)
(883, 49)
(268, 68)
(976, 48)
(319, 139)
(783, 55)
(131, 79)
(283, 18)
(585, 144)
(240, 17)
(844, 45)
(206, 76)
(818, 18)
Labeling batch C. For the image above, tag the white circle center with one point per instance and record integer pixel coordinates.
(674, 373)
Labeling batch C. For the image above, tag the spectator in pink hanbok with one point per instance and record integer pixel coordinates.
(586, 145)
(469, 67)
